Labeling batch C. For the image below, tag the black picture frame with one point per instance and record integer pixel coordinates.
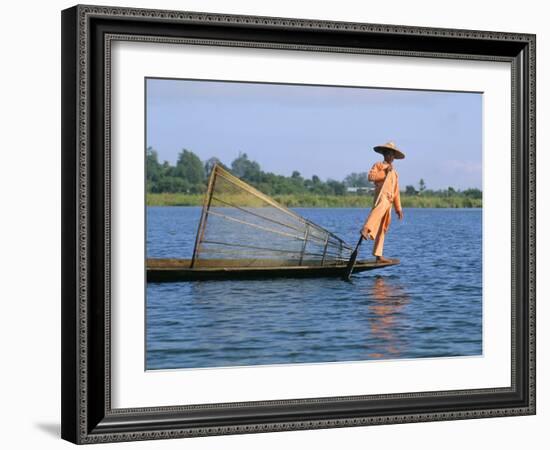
(87, 415)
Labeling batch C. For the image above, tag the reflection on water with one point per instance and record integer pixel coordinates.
(428, 306)
(387, 299)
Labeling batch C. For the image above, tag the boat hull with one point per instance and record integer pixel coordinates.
(174, 270)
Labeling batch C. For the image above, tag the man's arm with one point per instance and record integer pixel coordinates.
(377, 173)
(397, 201)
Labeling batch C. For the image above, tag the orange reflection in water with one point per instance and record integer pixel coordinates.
(387, 300)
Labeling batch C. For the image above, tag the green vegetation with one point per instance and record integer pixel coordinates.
(323, 201)
(185, 183)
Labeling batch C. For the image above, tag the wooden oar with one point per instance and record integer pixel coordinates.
(351, 262)
(353, 257)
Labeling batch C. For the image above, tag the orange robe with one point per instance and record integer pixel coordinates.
(386, 194)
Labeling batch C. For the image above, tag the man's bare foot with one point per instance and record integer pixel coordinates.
(381, 259)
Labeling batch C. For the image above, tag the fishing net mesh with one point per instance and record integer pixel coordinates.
(240, 226)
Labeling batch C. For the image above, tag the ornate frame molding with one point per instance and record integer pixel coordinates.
(83, 421)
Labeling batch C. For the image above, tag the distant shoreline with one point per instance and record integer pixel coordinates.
(322, 201)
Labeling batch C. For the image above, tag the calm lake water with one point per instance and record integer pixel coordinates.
(428, 306)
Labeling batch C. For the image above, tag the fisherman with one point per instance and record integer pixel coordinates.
(386, 194)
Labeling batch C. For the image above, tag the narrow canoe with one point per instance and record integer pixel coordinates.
(171, 270)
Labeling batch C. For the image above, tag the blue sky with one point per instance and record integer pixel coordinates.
(320, 130)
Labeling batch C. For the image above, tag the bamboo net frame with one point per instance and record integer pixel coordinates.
(238, 222)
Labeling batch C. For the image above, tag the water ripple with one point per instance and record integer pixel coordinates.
(428, 306)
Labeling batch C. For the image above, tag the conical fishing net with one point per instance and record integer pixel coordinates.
(242, 227)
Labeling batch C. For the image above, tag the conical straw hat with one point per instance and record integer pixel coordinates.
(390, 146)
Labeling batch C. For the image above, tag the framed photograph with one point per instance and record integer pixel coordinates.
(277, 224)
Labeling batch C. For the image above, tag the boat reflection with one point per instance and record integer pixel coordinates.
(387, 323)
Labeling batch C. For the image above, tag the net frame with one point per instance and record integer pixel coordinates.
(335, 250)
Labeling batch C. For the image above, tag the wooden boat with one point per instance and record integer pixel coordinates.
(244, 233)
(173, 270)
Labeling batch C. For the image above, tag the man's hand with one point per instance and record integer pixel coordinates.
(400, 214)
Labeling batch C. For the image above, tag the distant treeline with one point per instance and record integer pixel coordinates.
(185, 182)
